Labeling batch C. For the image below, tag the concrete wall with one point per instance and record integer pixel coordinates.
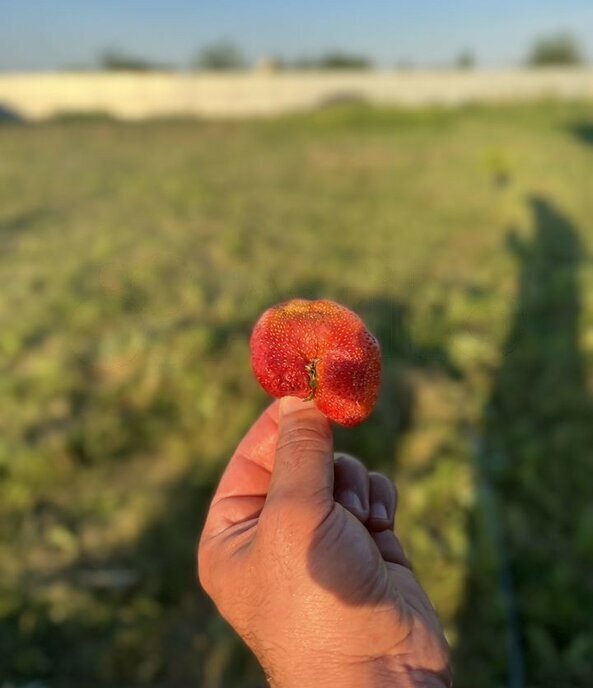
(136, 96)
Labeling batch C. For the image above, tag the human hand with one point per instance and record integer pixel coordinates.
(299, 555)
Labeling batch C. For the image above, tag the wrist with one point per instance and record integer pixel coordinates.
(373, 674)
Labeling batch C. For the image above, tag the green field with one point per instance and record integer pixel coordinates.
(134, 260)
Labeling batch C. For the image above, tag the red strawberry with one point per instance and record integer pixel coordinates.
(318, 350)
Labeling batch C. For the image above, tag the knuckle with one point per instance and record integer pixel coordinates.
(297, 433)
(382, 488)
(303, 441)
(343, 460)
(282, 512)
(287, 518)
(379, 477)
(382, 481)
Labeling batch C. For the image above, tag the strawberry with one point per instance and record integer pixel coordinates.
(318, 350)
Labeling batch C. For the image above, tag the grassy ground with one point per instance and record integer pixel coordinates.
(133, 261)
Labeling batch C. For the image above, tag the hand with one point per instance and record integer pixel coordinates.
(299, 555)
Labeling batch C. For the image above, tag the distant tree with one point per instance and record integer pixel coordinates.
(556, 49)
(465, 60)
(114, 60)
(221, 56)
(334, 60)
(340, 60)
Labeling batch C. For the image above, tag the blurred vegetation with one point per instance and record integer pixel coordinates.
(115, 60)
(335, 59)
(222, 56)
(561, 49)
(465, 60)
(130, 277)
(226, 55)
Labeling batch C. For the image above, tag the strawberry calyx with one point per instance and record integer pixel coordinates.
(311, 369)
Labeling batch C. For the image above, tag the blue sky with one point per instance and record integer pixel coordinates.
(49, 34)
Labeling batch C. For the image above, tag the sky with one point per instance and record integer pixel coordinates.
(53, 34)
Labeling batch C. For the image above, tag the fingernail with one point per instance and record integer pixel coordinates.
(350, 500)
(379, 511)
(291, 404)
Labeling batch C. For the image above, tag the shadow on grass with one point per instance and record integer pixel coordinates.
(147, 623)
(9, 115)
(377, 441)
(529, 594)
(583, 132)
(14, 227)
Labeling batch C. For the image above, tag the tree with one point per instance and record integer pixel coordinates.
(221, 56)
(115, 60)
(555, 49)
(334, 60)
(341, 60)
(465, 60)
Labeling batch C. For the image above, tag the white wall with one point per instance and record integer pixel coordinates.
(136, 96)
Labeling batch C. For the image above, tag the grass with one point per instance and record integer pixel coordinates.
(134, 260)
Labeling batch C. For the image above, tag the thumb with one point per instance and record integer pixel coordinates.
(304, 466)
